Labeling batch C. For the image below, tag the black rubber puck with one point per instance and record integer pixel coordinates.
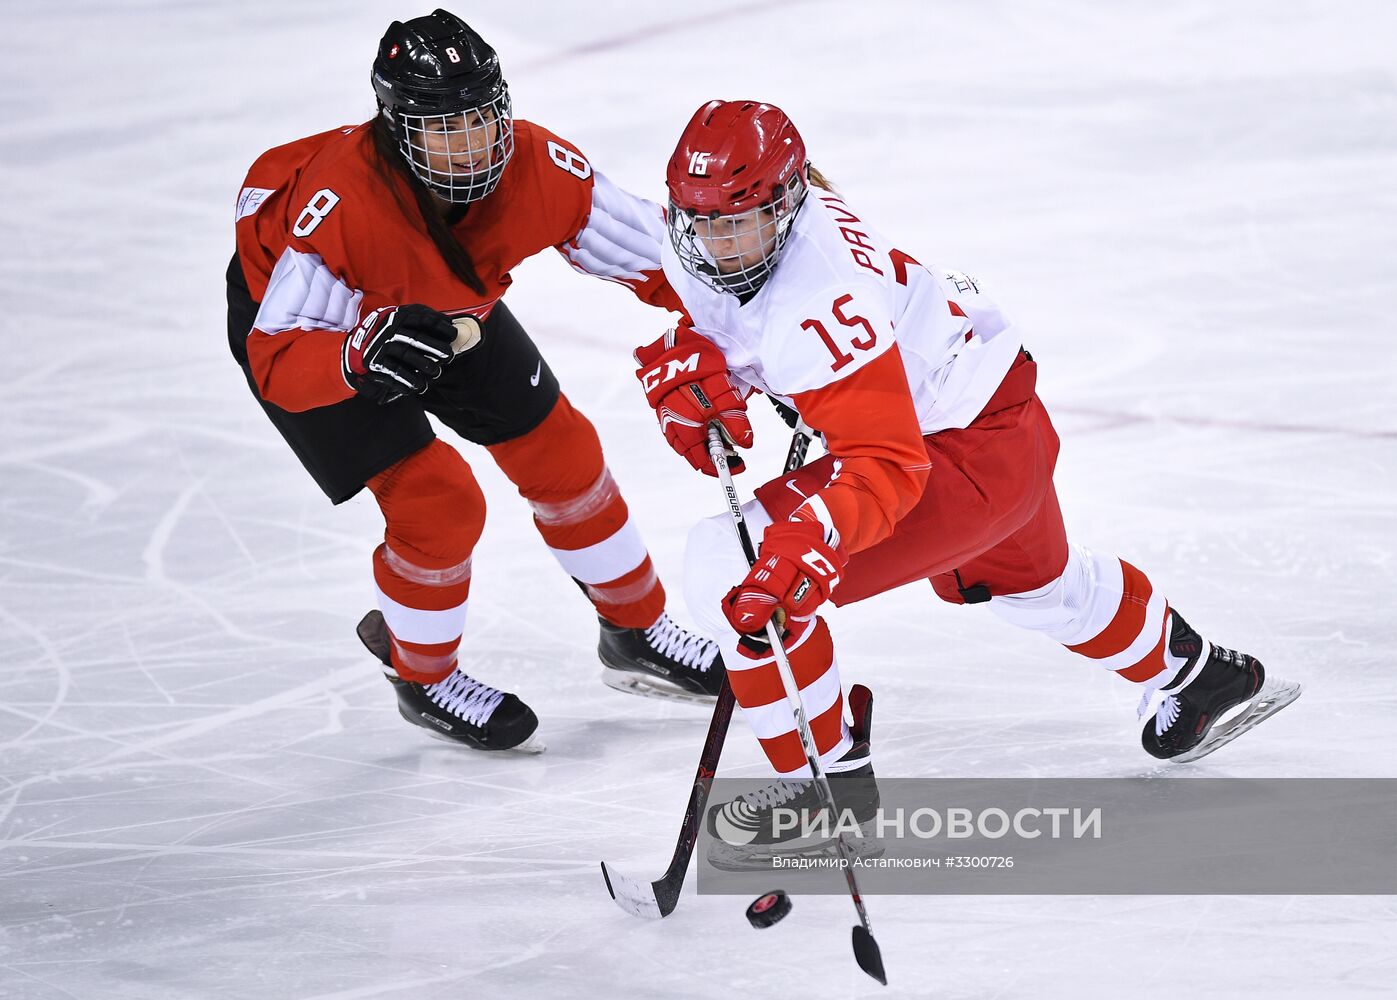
(769, 909)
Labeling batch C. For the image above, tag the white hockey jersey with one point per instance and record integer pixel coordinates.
(873, 349)
(840, 296)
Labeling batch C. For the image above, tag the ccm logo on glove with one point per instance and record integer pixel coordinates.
(796, 570)
(669, 371)
(685, 378)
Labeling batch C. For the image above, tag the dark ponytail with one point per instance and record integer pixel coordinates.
(391, 165)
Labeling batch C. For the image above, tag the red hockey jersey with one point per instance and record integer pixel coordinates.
(323, 240)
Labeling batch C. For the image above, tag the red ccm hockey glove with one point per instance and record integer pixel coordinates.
(685, 378)
(795, 570)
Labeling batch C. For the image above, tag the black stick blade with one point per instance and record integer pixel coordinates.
(868, 956)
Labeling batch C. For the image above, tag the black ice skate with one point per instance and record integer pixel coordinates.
(745, 830)
(1214, 698)
(662, 661)
(459, 709)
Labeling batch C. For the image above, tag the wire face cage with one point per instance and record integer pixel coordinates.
(460, 156)
(735, 254)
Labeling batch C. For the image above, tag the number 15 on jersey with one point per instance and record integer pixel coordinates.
(864, 340)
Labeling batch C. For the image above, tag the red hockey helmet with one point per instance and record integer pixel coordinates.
(736, 180)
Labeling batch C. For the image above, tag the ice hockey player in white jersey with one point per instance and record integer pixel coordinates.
(939, 464)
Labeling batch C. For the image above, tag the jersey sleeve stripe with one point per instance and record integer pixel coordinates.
(303, 293)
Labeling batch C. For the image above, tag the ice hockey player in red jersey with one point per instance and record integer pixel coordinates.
(939, 466)
(366, 293)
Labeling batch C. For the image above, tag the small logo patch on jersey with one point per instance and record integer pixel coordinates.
(538, 372)
(962, 281)
(250, 201)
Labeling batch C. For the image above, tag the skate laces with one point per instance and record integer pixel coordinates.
(465, 697)
(773, 795)
(693, 651)
(1167, 710)
(1149, 704)
(1166, 715)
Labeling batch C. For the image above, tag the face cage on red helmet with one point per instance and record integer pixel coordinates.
(459, 135)
(771, 223)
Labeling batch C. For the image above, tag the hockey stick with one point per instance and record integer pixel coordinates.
(800, 444)
(866, 951)
(800, 440)
(658, 898)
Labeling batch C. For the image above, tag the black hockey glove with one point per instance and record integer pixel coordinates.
(396, 350)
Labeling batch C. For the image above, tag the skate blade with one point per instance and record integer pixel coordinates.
(652, 687)
(732, 858)
(531, 747)
(1275, 694)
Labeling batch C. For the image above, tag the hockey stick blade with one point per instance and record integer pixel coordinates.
(637, 898)
(867, 954)
(657, 899)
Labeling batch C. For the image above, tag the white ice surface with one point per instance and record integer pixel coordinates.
(206, 791)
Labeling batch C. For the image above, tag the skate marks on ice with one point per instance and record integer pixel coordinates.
(164, 567)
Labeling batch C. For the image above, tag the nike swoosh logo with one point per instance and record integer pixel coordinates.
(791, 485)
(533, 379)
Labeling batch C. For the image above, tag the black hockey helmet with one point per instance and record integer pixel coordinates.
(440, 87)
